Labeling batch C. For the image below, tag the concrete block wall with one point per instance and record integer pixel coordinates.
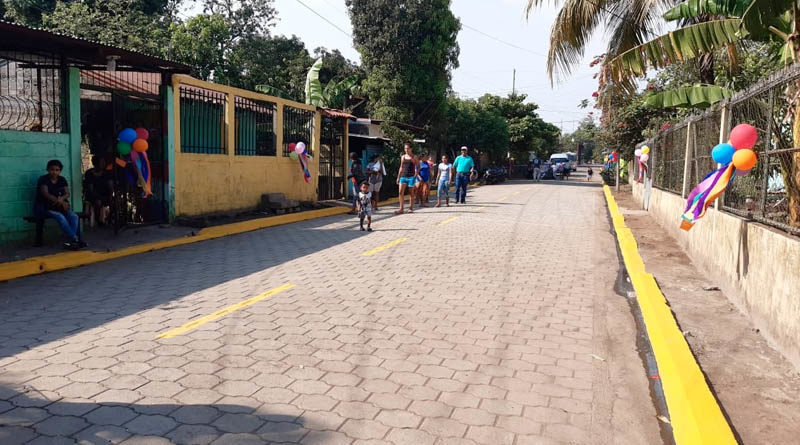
(23, 157)
(755, 265)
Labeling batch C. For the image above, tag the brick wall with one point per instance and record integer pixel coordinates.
(23, 157)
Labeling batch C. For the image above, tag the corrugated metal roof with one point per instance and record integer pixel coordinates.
(77, 50)
(331, 112)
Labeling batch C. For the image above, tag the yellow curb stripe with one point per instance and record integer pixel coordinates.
(384, 247)
(223, 312)
(448, 220)
(695, 414)
(50, 263)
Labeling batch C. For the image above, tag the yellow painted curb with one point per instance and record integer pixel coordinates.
(68, 260)
(695, 415)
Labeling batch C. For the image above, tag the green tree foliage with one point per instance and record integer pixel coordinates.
(280, 62)
(474, 124)
(407, 48)
(586, 136)
(527, 131)
(32, 12)
(114, 22)
(200, 43)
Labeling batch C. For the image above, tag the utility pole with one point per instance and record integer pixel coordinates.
(514, 83)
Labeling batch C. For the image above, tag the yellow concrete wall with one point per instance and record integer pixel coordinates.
(208, 183)
(755, 265)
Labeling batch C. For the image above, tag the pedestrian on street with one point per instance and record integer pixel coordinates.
(364, 205)
(444, 181)
(356, 177)
(376, 171)
(424, 186)
(537, 169)
(407, 178)
(589, 174)
(464, 167)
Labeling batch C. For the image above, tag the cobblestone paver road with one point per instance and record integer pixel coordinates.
(478, 325)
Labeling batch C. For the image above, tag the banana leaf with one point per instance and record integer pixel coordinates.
(313, 85)
(677, 46)
(691, 9)
(701, 96)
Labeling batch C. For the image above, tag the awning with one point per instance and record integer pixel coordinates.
(330, 112)
(363, 136)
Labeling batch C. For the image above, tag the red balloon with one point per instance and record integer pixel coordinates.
(292, 145)
(744, 136)
(142, 133)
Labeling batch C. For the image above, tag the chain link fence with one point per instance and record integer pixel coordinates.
(770, 192)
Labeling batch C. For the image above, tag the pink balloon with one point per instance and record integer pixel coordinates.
(742, 172)
(300, 148)
(142, 133)
(644, 157)
(744, 136)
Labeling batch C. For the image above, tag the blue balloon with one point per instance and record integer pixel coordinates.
(723, 153)
(129, 135)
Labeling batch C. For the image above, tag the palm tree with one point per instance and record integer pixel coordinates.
(629, 23)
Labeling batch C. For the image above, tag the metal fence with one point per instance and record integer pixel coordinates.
(669, 154)
(202, 120)
(32, 92)
(298, 126)
(255, 127)
(770, 193)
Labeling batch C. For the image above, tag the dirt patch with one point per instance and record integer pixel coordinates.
(758, 388)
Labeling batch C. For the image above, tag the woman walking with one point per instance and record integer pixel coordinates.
(424, 186)
(407, 178)
(376, 172)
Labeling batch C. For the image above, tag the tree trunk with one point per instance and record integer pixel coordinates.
(791, 173)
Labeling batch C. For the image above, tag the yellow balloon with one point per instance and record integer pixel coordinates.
(645, 150)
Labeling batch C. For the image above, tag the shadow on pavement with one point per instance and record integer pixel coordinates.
(32, 415)
(45, 308)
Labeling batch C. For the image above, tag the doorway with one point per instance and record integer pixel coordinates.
(331, 160)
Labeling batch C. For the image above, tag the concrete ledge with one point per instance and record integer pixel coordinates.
(694, 412)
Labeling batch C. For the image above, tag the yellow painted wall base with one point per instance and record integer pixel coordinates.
(695, 415)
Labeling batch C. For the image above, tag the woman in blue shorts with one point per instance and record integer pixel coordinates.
(424, 186)
(407, 178)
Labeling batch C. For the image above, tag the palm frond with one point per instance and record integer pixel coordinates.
(700, 96)
(691, 9)
(679, 45)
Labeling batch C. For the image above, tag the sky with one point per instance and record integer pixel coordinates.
(486, 64)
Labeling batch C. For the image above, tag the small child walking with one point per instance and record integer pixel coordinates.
(589, 174)
(364, 206)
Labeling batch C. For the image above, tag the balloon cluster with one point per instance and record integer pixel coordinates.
(611, 159)
(738, 149)
(736, 158)
(299, 152)
(130, 139)
(642, 156)
(132, 146)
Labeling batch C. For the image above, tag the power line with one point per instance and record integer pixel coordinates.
(324, 18)
(501, 40)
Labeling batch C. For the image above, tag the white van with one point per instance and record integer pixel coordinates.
(560, 158)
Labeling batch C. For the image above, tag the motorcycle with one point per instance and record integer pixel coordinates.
(493, 175)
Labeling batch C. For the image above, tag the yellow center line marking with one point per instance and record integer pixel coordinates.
(223, 312)
(515, 193)
(384, 247)
(481, 208)
(502, 199)
(448, 220)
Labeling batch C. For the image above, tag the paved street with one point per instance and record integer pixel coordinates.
(494, 322)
